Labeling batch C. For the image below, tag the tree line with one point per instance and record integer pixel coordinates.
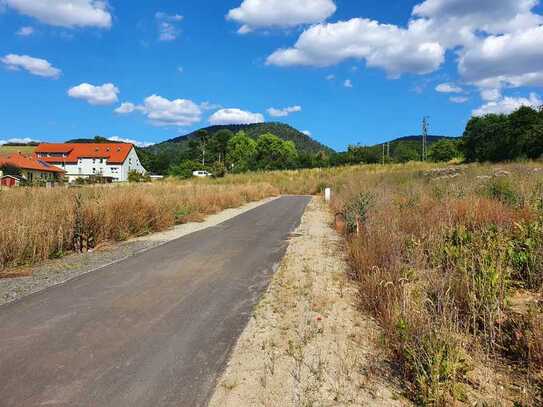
(501, 137)
(225, 151)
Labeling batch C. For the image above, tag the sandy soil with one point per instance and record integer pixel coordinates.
(58, 271)
(307, 345)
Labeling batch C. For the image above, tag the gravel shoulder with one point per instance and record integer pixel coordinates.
(58, 271)
(307, 344)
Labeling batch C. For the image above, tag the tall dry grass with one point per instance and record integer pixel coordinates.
(37, 224)
(438, 258)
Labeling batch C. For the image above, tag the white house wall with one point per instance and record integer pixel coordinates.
(87, 167)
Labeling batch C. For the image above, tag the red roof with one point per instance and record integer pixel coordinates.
(28, 162)
(115, 153)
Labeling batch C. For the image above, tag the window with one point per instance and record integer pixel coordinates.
(94, 170)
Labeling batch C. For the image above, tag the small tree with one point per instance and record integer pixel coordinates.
(444, 150)
(241, 152)
(218, 170)
(185, 169)
(135, 176)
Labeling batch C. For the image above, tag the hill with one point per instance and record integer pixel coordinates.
(303, 142)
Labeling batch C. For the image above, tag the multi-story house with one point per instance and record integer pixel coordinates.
(81, 160)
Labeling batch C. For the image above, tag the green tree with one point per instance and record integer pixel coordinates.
(405, 152)
(203, 139)
(272, 153)
(218, 145)
(241, 152)
(443, 150)
(185, 169)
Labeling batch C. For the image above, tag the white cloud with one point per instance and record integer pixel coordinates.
(508, 105)
(73, 13)
(348, 83)
(496, 42)
(179, 112)
(330, 77)
(490, 95)
(449, 88)
(307, 133)
(126, 108)
(381, 45)
(235, 116)
(25, 31)
(458, 99)
(164, 112)
(131, 141)
(25, 140)
(105, 94)
(35, 66)
(254, 14)
(514, 59)
(283, 112)
(167, 26)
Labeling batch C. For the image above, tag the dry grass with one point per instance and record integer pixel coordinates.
(38, 224)
(437, 258)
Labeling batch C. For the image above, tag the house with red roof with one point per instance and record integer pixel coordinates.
(113, 161)
(32, 170)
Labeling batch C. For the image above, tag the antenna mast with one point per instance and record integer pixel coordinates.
(425, 126)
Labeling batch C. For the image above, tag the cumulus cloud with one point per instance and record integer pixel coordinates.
(73, 13)
(514, 59)
(35, 66)
(508, 105)
(168, 29)
(25, 31)
(348, 83)
(105, 94)
(496, 42)
(381, 45)
(235, 116)
(126, 108)
(448, 88)
(284, 111)
(255, 14)
(164, 112)
(131, 141)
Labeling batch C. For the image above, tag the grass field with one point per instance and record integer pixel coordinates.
(449, 262)
(17, 149)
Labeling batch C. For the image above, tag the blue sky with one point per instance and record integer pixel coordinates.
(361, 72)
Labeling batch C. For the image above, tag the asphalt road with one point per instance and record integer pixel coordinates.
(153, 330)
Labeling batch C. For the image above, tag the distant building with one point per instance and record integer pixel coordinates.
(81, 160)
(10, 181)
(32, 169)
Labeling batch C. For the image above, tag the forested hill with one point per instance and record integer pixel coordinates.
(430, 139)
(304, 143)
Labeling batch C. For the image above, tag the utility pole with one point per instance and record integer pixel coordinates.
(425, 127)
(388, 151)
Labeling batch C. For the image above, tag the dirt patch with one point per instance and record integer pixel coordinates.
(307, 345)
(17, 283)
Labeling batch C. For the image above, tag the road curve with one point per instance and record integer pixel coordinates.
(153, 330)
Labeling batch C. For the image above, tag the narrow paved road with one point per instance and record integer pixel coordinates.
(154, 330)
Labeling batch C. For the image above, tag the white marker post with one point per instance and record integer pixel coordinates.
(328, 194)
